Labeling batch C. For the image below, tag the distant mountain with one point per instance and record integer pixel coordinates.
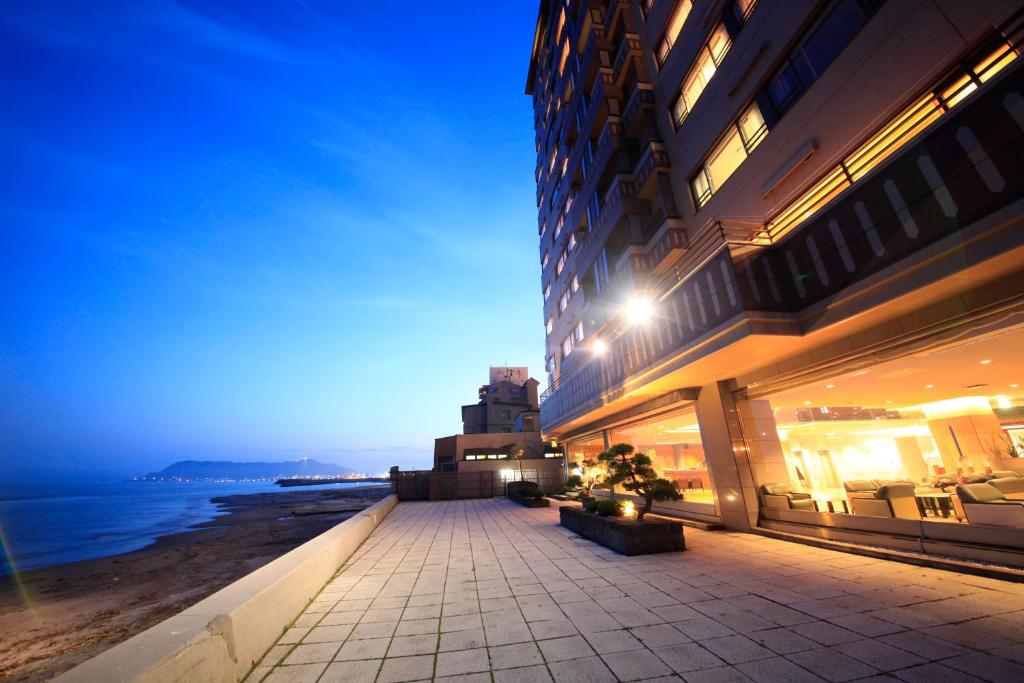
(201, 470)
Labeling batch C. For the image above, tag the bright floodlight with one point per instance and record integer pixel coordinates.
(599, 347)
(639, 310)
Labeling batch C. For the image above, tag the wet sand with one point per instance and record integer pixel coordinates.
(75, 611)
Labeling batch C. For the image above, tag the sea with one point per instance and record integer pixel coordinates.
(45, 524)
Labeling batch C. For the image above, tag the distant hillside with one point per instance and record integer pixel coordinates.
(215, 469)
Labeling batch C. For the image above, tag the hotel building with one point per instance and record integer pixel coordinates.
(782, 253)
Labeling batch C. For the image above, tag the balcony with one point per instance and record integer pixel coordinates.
(962, 170)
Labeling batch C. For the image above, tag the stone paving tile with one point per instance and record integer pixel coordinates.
(478, 591)
(462, 662)
(831, 664)
(397, 669)
(512, 656)
(362, 671)
(635, 665)
(527, 674)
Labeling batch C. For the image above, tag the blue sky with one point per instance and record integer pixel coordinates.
(259, 230)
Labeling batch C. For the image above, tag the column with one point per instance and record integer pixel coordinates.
(727, 457)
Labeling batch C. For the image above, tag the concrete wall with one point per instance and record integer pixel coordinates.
(222, 637)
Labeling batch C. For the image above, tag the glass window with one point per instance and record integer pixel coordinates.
(549, 325)
(547, 291)
(566, 346)
(673, 443)
(672, 29)
(907, 421)
(752, 128)
(719, 44)
(726, 158)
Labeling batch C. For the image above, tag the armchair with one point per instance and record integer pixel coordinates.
(782, 497)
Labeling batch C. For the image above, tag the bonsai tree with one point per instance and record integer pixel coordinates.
(634, 472)
(591, 474)
(572, 483)
(514, 453)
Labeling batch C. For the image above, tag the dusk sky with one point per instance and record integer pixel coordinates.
(257, 231)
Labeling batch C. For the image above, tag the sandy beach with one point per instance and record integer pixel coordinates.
(61, 616)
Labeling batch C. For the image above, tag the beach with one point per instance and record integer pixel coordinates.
(56, 617)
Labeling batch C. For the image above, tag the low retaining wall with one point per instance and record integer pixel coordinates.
(222, 637)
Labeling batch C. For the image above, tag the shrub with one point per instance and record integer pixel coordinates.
(605, 507)
(572, 483)
(525, 489)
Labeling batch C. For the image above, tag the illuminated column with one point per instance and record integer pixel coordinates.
(912, 459)
(967, 434)
(726, 456)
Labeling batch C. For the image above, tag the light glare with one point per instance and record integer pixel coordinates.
(639, 310)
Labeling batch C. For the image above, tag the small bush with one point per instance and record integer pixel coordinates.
(572, 483)
(525, 489)
(605, 507)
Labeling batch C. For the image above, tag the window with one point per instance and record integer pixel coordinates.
(708, 59)
(672, 29)
(566, 346)
(547, 291)
(572, 241)
(740, 140)
(815, 52)
(577, 334)
(549, 325)
(560, 266)
(574, 285)
(563, 302)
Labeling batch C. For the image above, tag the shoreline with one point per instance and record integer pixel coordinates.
(79, 609)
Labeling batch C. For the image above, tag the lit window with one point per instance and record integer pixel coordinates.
(549, 325)
(563, 302)
(739, 141)
(560, 266)
(672, 29)
(574, 286)
(577, 334)
(703, 69)
(889, 139)
(544, 260)
(566, 346)
(547, 291)
(572, 241)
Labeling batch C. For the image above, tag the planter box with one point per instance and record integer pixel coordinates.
(625, 536)
(531, 502)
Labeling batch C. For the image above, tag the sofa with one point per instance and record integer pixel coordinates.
(782, 497)
(1012, 488)
(889, 500)
(986, 504)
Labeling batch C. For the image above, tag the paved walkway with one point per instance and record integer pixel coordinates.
(486, 590)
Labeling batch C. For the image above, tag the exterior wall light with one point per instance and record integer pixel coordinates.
(639, 310)
(628, 509)
(599, 347)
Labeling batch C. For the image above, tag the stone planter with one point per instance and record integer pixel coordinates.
(530, 502)
(625, 536)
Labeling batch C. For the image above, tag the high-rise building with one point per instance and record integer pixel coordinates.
(782, 253)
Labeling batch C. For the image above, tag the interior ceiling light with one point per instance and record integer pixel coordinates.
(986, 362)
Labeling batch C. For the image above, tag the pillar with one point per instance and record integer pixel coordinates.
(727, 458)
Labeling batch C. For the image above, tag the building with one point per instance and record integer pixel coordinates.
(504, 421)
(781, 245)
(505, 405)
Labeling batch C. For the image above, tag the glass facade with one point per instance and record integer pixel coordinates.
(673, 443)
(924, 427)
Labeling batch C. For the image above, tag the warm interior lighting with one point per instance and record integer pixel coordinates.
(1003, 402)
(955, 407)
(639, 310)
(507, 474)
(599, 347)
(986, 362)
(628, 510)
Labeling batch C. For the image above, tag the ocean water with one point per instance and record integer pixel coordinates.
(46, 524)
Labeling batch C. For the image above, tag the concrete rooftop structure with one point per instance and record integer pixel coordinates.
(484, 590)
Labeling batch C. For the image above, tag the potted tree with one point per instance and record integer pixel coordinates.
(592, 473)
(612, 525)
